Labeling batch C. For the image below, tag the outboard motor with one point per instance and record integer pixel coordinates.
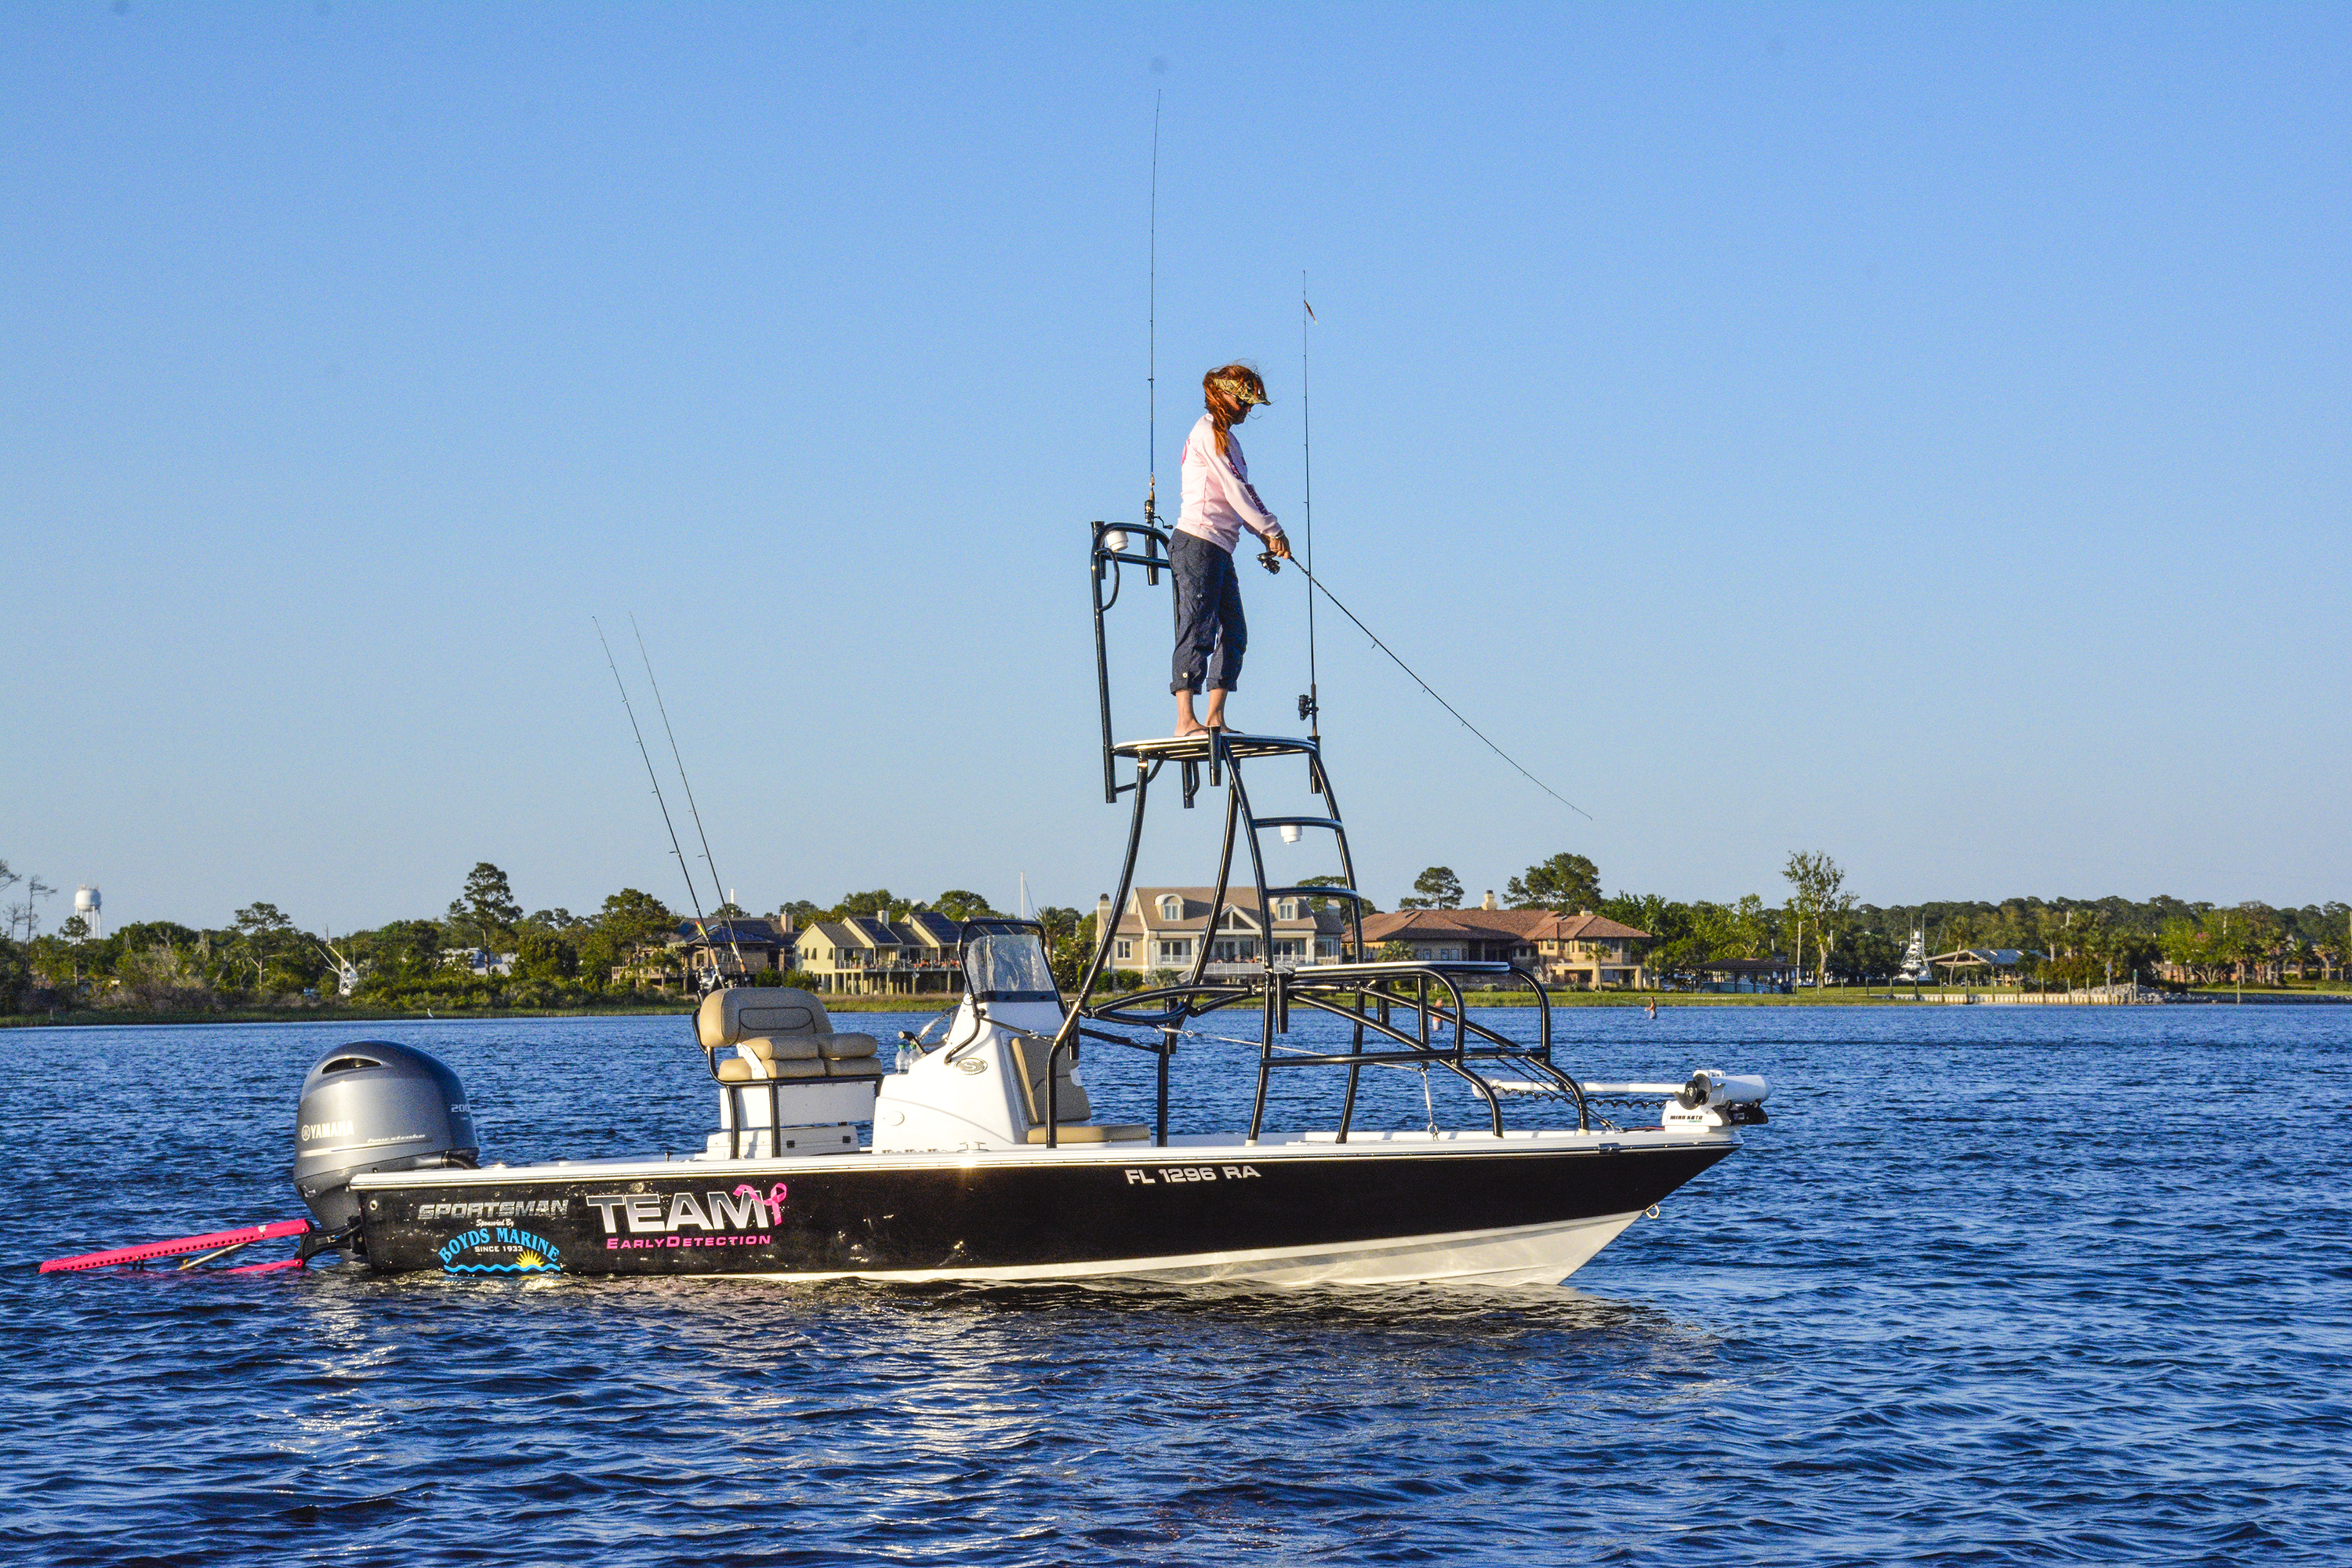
(376, 1106)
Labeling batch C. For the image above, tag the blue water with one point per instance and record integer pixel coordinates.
(1994, 1285)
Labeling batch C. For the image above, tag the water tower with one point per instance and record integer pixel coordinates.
(86, 905)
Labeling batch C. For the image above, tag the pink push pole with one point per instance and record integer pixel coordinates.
(147, 1252)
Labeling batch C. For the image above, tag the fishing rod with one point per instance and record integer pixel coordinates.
(1267, 559)
(1310, 707)
(717, 884)
(1151, 337)
(691, 896)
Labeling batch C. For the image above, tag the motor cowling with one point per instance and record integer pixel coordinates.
(376, 1106)
(1714, 1087)
(1714, 1098)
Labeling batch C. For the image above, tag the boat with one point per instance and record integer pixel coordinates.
(975, 1153)
(1915, 969)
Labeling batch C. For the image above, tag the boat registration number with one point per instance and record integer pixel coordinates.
(1173, 1174)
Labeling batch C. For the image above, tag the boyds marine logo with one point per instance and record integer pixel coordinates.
(501, 1249)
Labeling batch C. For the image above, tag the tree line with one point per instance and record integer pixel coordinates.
(618, 954)
(1822, 927)
(261, 957)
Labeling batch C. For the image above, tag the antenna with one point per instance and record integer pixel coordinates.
(691, 896)
(1151, 335)
(691, 806)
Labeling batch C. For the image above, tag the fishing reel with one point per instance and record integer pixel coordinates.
(1270, 560)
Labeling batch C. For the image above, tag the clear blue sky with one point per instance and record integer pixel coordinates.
(1919, 433)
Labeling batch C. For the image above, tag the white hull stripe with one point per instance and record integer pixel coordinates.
(1516, 1254)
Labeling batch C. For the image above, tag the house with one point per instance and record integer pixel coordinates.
(846, 956)
(1583, 950)
(1456, 936)
(921, 951)
(934, 943)
(1163, 928)
(739, 944)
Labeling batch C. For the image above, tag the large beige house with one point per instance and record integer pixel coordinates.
(1582, 949)
(1163, 928)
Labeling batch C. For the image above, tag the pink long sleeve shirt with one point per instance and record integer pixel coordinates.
(1219, 500)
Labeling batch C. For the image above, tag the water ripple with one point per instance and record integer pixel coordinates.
(1991, 1289)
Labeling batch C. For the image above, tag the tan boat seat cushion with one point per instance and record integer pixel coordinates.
(755, 1069)
(1093, 1133)
(848, 1048)
(782, 1047)
(766, 1058)
(745, 1012)
(1070, 1097)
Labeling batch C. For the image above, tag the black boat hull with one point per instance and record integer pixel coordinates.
(1282, 1214)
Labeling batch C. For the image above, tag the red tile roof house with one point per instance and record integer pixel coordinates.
(1160, 928)
(1583, 950)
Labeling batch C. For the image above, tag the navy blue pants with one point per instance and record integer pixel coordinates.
(1209, 632)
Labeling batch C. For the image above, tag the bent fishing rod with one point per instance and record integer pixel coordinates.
(1272, 563)
(1310, 705)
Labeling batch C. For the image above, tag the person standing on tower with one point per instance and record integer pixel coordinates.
(1219, 502)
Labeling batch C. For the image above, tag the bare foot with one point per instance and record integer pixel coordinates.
(1195, 728)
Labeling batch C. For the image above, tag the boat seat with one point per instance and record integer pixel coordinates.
(780, 1035)
(759, 1012)
(1070, 1097)
(1093, 1133)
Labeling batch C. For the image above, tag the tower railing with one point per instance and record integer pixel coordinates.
(1403, 1013)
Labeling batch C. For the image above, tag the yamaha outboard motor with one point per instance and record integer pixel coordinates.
(376, 1106)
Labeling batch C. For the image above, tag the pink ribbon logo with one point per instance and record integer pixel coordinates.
(773, 1201)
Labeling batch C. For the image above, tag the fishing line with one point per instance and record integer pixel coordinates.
(691, 896)
(717, 885)
(1434, 697)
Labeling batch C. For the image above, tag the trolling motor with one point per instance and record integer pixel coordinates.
(1714, 1098)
